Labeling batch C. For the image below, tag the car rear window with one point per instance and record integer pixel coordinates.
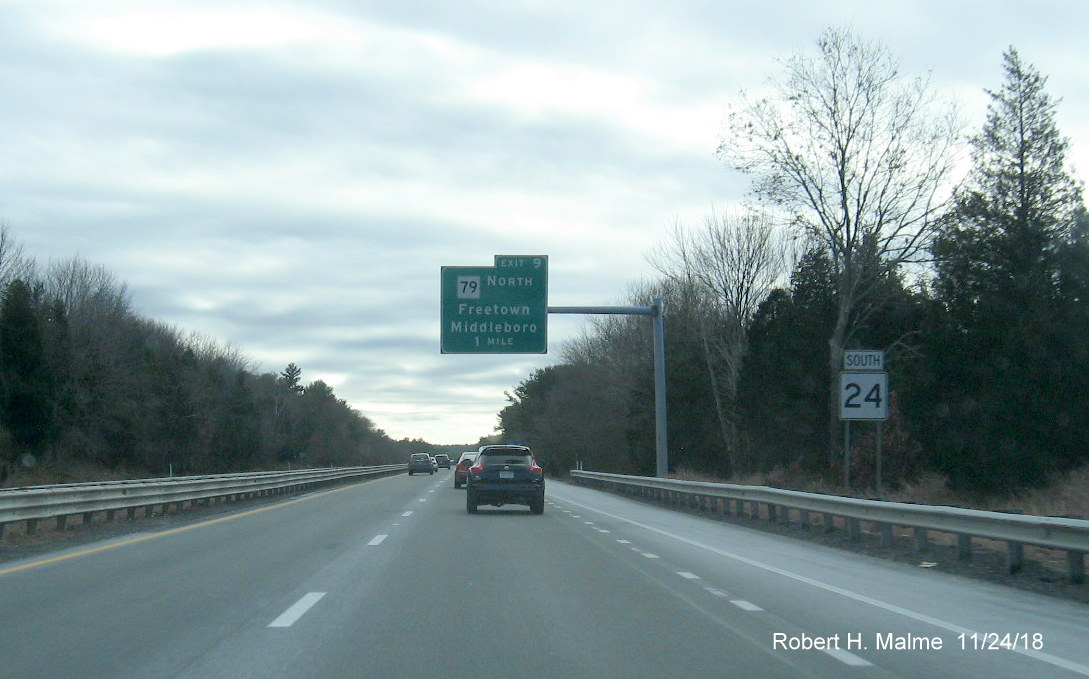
(505, 456)
(420, 456)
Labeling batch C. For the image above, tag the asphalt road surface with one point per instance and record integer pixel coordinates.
(392, 578)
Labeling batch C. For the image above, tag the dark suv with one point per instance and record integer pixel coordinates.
(503, 475)
(420, 462)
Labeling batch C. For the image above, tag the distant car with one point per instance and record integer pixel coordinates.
(434, 464)
(503, 475)
(443, 460)
(461, 469)
(420, 462)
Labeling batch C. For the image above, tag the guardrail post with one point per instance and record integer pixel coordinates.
(1075, 566)
(964, 547)
(771, 512)
(886, 534)
(131, 513)
(921, 541)
(31, 526)
(854, 529)
(62, 522)
(784, 515)
(1015, 557)
(803, 518)
(829, 522)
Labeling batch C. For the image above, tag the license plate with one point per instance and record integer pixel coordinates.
(506, 475)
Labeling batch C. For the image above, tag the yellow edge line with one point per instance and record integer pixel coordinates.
(172, 531)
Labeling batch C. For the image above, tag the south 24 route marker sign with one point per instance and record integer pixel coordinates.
(501, 309)
(863, 396)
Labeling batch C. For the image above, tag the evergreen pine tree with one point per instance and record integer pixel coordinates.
(1000, 257)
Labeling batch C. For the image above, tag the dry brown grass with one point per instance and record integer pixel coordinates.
(66, 471)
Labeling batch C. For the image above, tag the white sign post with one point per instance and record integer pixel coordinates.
(863, 395)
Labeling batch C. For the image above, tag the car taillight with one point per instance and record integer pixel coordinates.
(476, 468)
(534, 468)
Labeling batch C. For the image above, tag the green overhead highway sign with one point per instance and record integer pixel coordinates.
(501, 309)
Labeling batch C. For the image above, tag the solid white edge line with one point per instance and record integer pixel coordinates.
(377, 540)
(892, 608)
(297, 610)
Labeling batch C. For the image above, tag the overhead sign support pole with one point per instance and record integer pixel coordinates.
(656, 311)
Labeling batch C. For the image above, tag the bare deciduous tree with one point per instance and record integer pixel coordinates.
(728, 268)
(859, 157)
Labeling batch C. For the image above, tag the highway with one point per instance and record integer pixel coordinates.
(392, 578)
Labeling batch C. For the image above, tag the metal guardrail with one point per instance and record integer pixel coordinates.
(35, 503)
(1016, 530)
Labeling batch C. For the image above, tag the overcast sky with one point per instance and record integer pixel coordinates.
(288, 177)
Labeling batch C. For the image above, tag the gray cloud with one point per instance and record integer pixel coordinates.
(290, 180)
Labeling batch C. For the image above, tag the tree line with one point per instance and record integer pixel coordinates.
(861, 234)
(83, 377)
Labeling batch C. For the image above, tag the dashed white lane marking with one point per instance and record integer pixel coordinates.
(377, 540)
(688, 576)
(847, 658)
(602, 530)
(423, 499)
(408, 513)
(624, 542)
(588, 523)
(650, 556)
(745, 605)
(297, 610)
